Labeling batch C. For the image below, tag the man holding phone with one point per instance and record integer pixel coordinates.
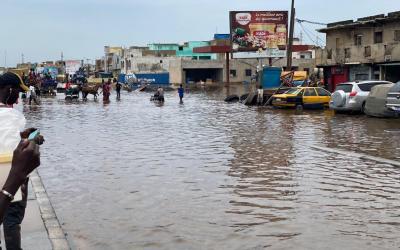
(10, 86)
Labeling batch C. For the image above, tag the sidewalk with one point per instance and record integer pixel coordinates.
(34, 234)
(40, 228)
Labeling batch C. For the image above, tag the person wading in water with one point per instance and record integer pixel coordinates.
(118, 87)
(180, 92)
(106, 91)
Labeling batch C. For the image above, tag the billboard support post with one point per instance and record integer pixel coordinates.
(291, 32)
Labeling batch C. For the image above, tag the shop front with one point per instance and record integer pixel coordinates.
(390, 72)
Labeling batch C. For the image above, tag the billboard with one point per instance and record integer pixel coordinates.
(72, 66)
(255, 30)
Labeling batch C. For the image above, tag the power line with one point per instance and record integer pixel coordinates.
(310, 22)
(307, 34)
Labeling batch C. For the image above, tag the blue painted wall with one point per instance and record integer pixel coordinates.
(154, 78)
(271, 77)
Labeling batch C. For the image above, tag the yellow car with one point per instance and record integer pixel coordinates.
(305, 97)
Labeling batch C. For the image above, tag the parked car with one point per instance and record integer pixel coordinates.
(351, 96)
(376, 102)
(305, 97)
(393, 98)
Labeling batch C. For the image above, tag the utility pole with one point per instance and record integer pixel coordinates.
(301, 37)
(290, 44)
(5, 58)
(22, 58)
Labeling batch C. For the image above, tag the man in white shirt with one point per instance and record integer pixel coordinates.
(260, 95)
(32, 95)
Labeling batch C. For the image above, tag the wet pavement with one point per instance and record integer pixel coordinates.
(211, 175)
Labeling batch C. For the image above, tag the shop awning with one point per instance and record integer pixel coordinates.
(212, 49)
(390, 64)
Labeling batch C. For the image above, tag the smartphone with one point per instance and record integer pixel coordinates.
(33, 135)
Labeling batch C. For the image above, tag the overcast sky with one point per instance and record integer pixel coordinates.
(41, 29)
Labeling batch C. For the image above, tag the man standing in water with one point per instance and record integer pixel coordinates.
(118, 87)
(32, 95)
(180, 92)
(10, 87)
(260, 95)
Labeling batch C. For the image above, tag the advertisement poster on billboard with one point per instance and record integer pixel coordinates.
(72, 66)
(258, 30)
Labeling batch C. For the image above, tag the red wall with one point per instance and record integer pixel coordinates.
(338, 75)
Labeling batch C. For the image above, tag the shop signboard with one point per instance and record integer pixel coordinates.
(258, 30)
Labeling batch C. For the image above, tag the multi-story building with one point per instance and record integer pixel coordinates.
(184, 50)
(185, 63)
(112, 59)
(368, 48)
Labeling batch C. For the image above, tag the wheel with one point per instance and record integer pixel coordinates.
(299, 107)
(363, 108)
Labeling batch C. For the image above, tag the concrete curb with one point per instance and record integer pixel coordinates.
(358, 155)
(49, 217)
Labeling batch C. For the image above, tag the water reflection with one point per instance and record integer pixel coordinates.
(210, 175)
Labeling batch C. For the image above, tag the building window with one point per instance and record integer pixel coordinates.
(347, 53)
(233, 72)
(367, 51)
(302, 57)
(248, 72)
(338, 42)
(397, 35)
(378, 37)
(329, 53)
(180, 48)
(358, 40)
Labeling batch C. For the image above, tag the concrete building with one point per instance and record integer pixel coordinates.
(143, 60)
(112, 59)
(368, 48)
(185, 65)
(184, 50)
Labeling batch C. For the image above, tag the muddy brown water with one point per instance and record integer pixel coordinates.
(211, 175)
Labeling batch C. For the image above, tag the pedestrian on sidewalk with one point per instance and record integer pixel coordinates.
(10, 87)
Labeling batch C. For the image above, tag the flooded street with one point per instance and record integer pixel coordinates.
(211, 175)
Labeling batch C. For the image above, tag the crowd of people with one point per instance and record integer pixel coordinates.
(35, 82)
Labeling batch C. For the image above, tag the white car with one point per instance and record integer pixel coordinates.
(351, 96)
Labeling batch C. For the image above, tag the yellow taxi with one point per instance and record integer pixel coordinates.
(304, 97)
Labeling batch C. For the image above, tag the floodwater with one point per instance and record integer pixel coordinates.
(211, 175)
